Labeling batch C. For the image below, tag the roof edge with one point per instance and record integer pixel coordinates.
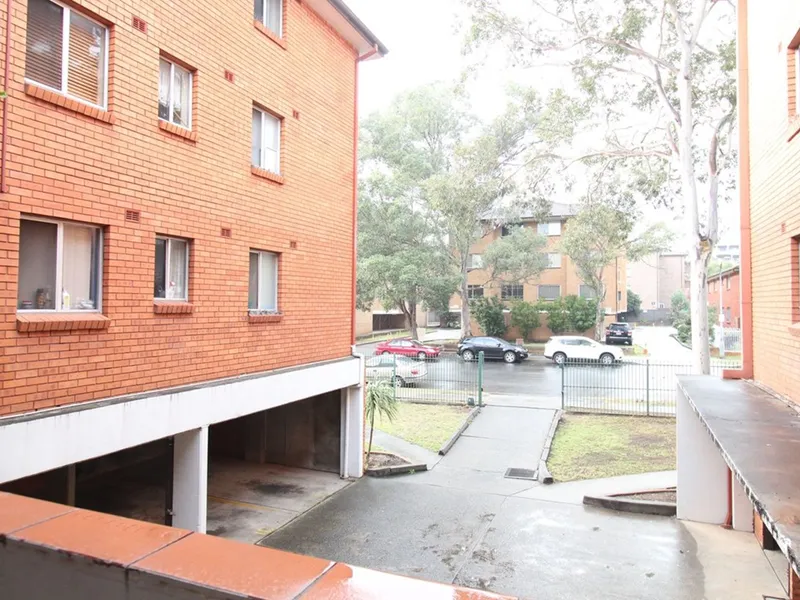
(359, 25)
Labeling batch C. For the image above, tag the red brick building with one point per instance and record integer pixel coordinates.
(163, 175)
(727, 285)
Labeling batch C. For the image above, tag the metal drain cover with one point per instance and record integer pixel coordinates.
(521, 474)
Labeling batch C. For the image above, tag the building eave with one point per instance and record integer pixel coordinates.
(345, 22)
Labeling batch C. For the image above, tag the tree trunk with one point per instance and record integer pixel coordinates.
(410, 314)
(371, 430)
(466, 326)
(601, 308)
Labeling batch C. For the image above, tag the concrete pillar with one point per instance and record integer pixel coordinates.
(702, 472)
(352, 454)
(255, 443)
(742, 509)
(72, 472)
(190, 480)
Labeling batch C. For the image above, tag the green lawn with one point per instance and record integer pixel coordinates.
(594, 446)
(426, 425)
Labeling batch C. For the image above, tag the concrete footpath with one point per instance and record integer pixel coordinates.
(463, 522)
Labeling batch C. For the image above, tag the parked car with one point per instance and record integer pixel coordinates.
(492, 348)
(619, 332)
(576, 348)
(399, 369)
(408, 347)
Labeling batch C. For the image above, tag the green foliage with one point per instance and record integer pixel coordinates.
(489, 315)
(715, 266)
(448, 320)
(516, 258)
(634, 302)
(682, 318)
(379, 401)
(557, 316)
(679, 305)
(582, 313)
(525, 317)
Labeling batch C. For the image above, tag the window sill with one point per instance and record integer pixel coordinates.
(72, 321)
(177, 130)
(263, 173)
(794, 127)
(168, 307)
(264, 318)
(269, 33)
(61, 100)
(794, 329)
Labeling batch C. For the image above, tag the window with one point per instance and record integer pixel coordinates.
(549, 229)
(728, 283)
(619, 296)
(553, 261)
(263, 293)
(475, 261)
(172, 269)
(270, 13)
(59, 266)
(549, 292)
(512, 292)
(66, 52)
(507, 230)
(474, 291)
(266, 141)
(586, 291)
(175, 94)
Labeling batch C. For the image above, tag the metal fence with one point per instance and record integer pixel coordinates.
(446, 379)
(727, 339)
(633, 387)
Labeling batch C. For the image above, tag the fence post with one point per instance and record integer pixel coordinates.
(480, 378)
(647, 386)
(563, 366)
(394, 377)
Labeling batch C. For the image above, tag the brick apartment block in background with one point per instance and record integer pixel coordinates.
(164, 267)
(724, 292)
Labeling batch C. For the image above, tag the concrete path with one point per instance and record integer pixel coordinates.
(574, 491)
(412, 452)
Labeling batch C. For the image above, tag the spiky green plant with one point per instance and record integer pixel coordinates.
(379, 400)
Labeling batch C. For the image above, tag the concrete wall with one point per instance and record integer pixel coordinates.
(656, 278)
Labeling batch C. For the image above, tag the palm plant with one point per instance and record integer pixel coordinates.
(379, 400)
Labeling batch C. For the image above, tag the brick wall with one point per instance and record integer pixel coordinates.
(775, 198)
(730, 288)
(68, 165)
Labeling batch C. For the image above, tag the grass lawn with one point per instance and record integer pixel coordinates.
(426, 425)
(635, 350)
(594, 446)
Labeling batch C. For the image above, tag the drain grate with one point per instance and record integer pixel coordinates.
(521, 474)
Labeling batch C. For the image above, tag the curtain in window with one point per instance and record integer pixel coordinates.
(164, 71)
(252, 291)
(76, 282)
(43, 47)
(87, 48)
(257, 137)
(267, 282)
(178, 251)
(274, 15)
(182, 97)
(37, 265)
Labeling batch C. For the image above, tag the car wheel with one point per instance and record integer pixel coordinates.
(399, 382)
(422, 355)
(510, 357)
(468, 355)
(559, 358)
(607, 359)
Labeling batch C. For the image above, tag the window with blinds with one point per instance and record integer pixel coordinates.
(66, 51)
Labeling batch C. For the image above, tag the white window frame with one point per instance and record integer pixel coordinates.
(475, 261)
(263, 19)
(167, 262)
(65, 26)
(171, 104)
(261, 156)
(553, 228)
(263, 311)
(510, 297)
(550, 261)
(60, 266)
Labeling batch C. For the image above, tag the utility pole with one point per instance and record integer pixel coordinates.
(721, 315)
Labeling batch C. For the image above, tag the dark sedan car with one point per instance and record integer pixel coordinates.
(492, 348)
(619, 332)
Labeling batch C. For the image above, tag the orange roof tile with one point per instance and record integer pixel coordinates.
(252, 571)
(344, 582)
(105, 537)
(17, 512)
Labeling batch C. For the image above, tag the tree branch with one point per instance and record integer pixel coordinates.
(659, 85)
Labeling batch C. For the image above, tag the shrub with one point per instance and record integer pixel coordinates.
(582, 313)
(557, 316)
(525, 317)
(489, 315)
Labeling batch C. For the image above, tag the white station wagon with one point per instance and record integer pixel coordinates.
(565, 348)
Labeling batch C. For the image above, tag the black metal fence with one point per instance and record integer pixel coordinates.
(446, 379)
(632, 387)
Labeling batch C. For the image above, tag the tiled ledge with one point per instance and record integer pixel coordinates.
(269, 33)
(93, 112)
(36, 322)
(274, 177)
(173, 308)
(177, 130)
(264, 318)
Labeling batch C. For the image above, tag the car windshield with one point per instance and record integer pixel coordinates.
(620, 326)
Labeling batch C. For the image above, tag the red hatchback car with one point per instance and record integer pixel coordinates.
(408, 347)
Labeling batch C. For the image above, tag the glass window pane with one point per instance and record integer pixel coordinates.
(44, 41)
(257, 131)
(176, 287)
(160, 286)
(164, 71)
(87, 48)
(37, 265)
(258, 10)
(252, 291)
(77, 265)
(555, 228)
(274, 16)
(267, 282)
(272, 139)
(182, 98)
(271, 161)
